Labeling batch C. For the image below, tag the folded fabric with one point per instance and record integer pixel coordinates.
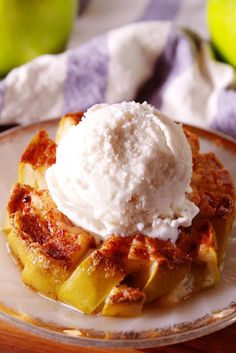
(169, 67)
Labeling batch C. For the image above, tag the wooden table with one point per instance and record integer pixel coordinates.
(13, 340)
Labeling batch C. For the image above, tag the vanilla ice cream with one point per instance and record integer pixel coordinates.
(125, 168)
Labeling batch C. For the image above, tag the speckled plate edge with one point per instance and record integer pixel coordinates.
(144, 339)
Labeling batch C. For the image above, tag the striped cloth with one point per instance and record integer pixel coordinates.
(143, 50)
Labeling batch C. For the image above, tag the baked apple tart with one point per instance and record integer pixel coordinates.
(130, 213)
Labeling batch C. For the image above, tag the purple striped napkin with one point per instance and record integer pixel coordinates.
(154, 60)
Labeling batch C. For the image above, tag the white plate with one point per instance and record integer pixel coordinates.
(206, 312)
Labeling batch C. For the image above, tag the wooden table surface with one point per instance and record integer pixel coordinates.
(13, 340)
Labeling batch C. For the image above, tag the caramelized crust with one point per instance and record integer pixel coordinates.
(127, 295)
(204, 234)
(193, 141)
(133, 253)
(113, 254)
(138, 257)
(213, 190)
(37, 221)
(139, 250)
(41, 151)
(74, 117)
(66, 122)
(145, 250)
(165, 251)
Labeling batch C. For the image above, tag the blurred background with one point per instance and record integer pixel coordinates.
(30, 28)
(91, 63)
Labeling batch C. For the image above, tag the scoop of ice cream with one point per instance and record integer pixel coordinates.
(125, 168)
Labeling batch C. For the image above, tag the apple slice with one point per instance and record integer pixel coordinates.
(18, 246)
(37, 157)
(204, 271)
(215, 196)
(124, 301)
(51, 263)
(183, 290)
(45, 274)
(163, 278)
(47, 244)
(65, 124)
(95, 277)
(205, 266)
(138, 257)
(7, 226)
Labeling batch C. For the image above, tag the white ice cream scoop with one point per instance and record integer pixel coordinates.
(125, 168)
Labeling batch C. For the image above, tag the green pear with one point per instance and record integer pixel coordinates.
(222, 26)
(29, 28)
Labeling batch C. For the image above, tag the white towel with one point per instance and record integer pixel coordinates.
(156, 61)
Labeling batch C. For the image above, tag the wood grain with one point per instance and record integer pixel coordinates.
(13, 340)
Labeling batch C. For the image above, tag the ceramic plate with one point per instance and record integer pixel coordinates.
(206, 312)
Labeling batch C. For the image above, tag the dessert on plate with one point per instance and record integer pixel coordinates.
(121, 211)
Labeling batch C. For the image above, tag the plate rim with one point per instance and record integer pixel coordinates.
(210, 323)
(160, 341)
